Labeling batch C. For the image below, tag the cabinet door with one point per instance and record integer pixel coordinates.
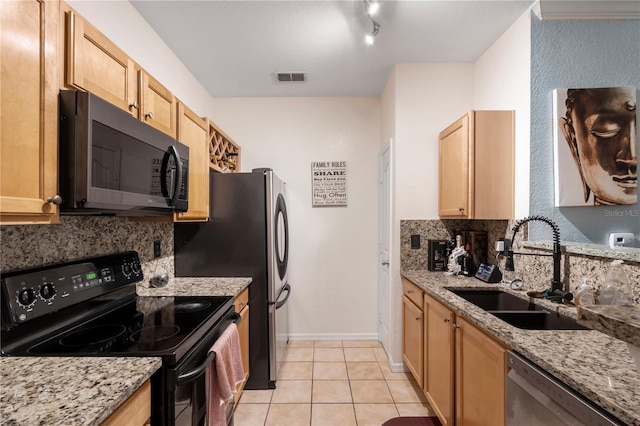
(439, 357)
(28, 111)
(455, 190)
(480, 377)
(134, 411)
(96, 65)
(157, 104)
(193, 132)
(494, 140)
(413, 338)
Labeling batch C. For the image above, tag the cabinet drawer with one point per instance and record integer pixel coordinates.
(241, 300)
(413, 292)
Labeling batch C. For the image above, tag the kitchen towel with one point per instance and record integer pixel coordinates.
(223, 375)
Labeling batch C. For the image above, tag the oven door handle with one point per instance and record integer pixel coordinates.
(196, 372)
(200, 369)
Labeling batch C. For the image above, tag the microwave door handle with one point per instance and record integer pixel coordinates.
(190, 376)
(178, 182)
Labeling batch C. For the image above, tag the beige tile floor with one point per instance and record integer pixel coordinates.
(333, 383)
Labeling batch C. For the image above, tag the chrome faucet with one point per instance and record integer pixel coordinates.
(556, 284)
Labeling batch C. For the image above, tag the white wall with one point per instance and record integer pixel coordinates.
(502, 80)
(333, 255)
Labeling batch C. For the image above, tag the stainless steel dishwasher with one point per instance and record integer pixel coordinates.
(536, 398)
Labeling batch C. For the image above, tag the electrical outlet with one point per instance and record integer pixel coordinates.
(157, 250)
(415, 241)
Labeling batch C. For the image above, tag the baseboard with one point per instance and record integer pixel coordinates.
(398, 367)
(345, 336)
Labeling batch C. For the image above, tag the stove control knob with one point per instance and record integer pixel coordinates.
(47, 291)
(135, 266)
(126, 270)
(26, 297)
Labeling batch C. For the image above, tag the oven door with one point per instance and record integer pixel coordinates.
(181, 397)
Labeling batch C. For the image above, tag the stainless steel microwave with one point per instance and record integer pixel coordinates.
(111, 163)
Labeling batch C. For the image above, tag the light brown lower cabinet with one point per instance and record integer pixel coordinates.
(480, 377)
(135, 411)
(439, 359)
(242, 307)
(463, 370)
(413, 329)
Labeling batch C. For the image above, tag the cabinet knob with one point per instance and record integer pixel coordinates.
(134, 105)
(56, 199)
(446, 319)
(149, 115)
(455, 326)
(461, 209)
(418, 318)
(409, 291)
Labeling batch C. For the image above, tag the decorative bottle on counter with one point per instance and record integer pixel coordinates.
(584, 295)
(616, 289)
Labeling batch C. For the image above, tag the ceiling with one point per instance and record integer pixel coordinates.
(234, 48)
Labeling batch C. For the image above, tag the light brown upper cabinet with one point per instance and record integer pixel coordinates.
(193, 131)
(97, 65)
(157, 104)
(28, 112)
(224, 153)
(476, 166)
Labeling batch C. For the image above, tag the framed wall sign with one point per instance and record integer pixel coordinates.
(329, 183)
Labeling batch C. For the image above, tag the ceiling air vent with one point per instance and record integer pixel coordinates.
(288, 77)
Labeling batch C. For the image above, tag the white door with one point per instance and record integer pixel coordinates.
(383, 245)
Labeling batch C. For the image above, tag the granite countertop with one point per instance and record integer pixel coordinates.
(197, 286)
(621, 322)
(596, 365)
(69, 390)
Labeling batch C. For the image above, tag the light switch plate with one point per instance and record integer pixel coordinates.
(621, 239)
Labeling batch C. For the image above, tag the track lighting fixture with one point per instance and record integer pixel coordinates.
(372, 8)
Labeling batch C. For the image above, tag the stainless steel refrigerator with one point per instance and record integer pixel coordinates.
(246, 236)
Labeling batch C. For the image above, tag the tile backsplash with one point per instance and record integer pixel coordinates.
(77, 237)
(533, 270)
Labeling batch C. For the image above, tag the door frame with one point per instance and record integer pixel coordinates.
(385, 212)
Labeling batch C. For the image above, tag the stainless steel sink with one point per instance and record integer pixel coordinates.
(518, 312)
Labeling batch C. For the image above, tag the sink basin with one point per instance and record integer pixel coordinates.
(538, 320)
(495, 300)
(518, 312)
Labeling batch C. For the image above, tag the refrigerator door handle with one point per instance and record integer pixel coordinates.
(279, 303)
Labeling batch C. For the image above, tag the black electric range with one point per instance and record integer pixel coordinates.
(89, 308)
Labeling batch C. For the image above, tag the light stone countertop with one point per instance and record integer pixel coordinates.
(596, 365)
(70, 390)
(621, 322)
(197, 286)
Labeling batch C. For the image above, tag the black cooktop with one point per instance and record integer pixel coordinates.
(145, 326)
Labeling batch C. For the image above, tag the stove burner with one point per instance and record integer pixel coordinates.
(93, 335)
(190, 307)
(155, 334)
